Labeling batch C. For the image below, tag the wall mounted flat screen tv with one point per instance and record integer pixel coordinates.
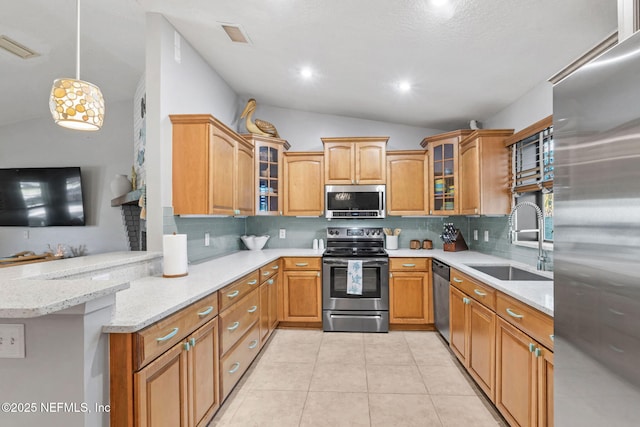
(41, 197)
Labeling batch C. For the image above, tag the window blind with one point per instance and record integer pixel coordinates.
(532, 162)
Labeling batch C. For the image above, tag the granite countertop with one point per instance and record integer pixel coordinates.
(152, 298)
(537, 294)
(43, 288)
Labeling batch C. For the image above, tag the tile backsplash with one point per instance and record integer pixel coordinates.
(225, 233)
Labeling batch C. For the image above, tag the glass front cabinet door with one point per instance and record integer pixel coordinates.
(443, 177)
(269, 183)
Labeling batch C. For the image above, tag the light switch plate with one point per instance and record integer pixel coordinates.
(12, 341)
(486, 235)
(207, 239)
(475, 234)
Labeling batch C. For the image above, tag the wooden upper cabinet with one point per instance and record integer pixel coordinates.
(484, 173)
(407, 183)
(209, 163)
(355, 160)
(269, 183)
(443, 171)
(304, 184)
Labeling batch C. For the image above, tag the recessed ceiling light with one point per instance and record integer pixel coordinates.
(404, 86)
(306, 72)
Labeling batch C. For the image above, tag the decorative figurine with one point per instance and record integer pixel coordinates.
(260, 127)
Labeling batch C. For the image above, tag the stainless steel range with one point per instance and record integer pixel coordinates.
(365, 307)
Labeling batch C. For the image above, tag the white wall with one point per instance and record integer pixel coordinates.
(533, 106)
(303, 129)
(189, 86)
(101, 155)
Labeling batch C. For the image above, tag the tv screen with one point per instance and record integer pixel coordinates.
(40, 197)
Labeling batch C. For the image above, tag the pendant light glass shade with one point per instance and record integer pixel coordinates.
(74, 103)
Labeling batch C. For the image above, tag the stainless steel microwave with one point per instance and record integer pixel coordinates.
(354, 201)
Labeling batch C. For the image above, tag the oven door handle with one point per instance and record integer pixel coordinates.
(364, 263)
(355, 316)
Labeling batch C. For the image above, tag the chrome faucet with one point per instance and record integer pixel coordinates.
(540, 230)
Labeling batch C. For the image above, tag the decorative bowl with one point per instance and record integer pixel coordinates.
(255, 243)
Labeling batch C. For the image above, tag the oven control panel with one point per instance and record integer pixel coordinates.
(359, 233)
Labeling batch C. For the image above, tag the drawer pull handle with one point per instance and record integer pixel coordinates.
(480, 293)
(252, 309)
(235, 368)
(616, 312)
(532, 347)
(169, 335)
(275, 267)
(192, 342)
(253, 344)
(206, 311)
(408, 265)
(266, 273)
(252, 282)
(301, 264)
(233, 294)
(514, 314)
(455, 279)
(270, 281)
(234, 326)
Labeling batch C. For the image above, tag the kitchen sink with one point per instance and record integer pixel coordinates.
(508, 272)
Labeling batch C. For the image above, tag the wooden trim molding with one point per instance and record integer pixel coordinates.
(607, 43)
(538, 126)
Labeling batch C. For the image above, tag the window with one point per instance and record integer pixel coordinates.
(532, 156)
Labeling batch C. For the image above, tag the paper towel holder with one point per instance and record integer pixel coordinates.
(173, 276)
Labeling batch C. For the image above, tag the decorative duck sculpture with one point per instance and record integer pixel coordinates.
(259, 127)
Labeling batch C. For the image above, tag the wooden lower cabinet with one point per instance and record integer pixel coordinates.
(524, 378)
(302, 299)
(472, 340)
(180, 388)
(410, 298)
(268, 307)
(235, 363)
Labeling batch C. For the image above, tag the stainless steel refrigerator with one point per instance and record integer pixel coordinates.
(596, 117)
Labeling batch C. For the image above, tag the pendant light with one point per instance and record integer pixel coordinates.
(76, 104)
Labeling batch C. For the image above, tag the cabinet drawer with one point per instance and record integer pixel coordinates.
(310, 263)
(162, 335)
(409, 264)
(269, 270)
(237, 320)
(480, 292)
(238, 289)
(236, 362)
(526, 318)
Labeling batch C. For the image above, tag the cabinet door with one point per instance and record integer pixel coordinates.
(339, 164)
(221, 176)
(410, 298)
(273, 284)
(302, 296)
(458, 323)
(370, 162)
(481, 359)
(516, 375)
(190, 168)
(444, 177)
(244, 179)
(161, 391)
(264, 312)
(204, 373)
(268, 178)
(407, 184)
(304, 185)
(470, 179)
(545, 388)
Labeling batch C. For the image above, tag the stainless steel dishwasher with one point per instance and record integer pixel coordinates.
(441, 297)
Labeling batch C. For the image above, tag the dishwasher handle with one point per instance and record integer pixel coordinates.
(440, 269)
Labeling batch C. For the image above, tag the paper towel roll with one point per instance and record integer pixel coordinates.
(174, 251)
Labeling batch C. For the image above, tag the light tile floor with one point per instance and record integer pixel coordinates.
(314, 378)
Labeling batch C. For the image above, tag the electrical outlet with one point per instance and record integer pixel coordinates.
(283, 233)
(486, 235)
(475, 234)
(207, 239)
(12, 341)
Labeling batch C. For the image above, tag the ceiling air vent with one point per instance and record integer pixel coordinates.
(235, 33)
(16, 48)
